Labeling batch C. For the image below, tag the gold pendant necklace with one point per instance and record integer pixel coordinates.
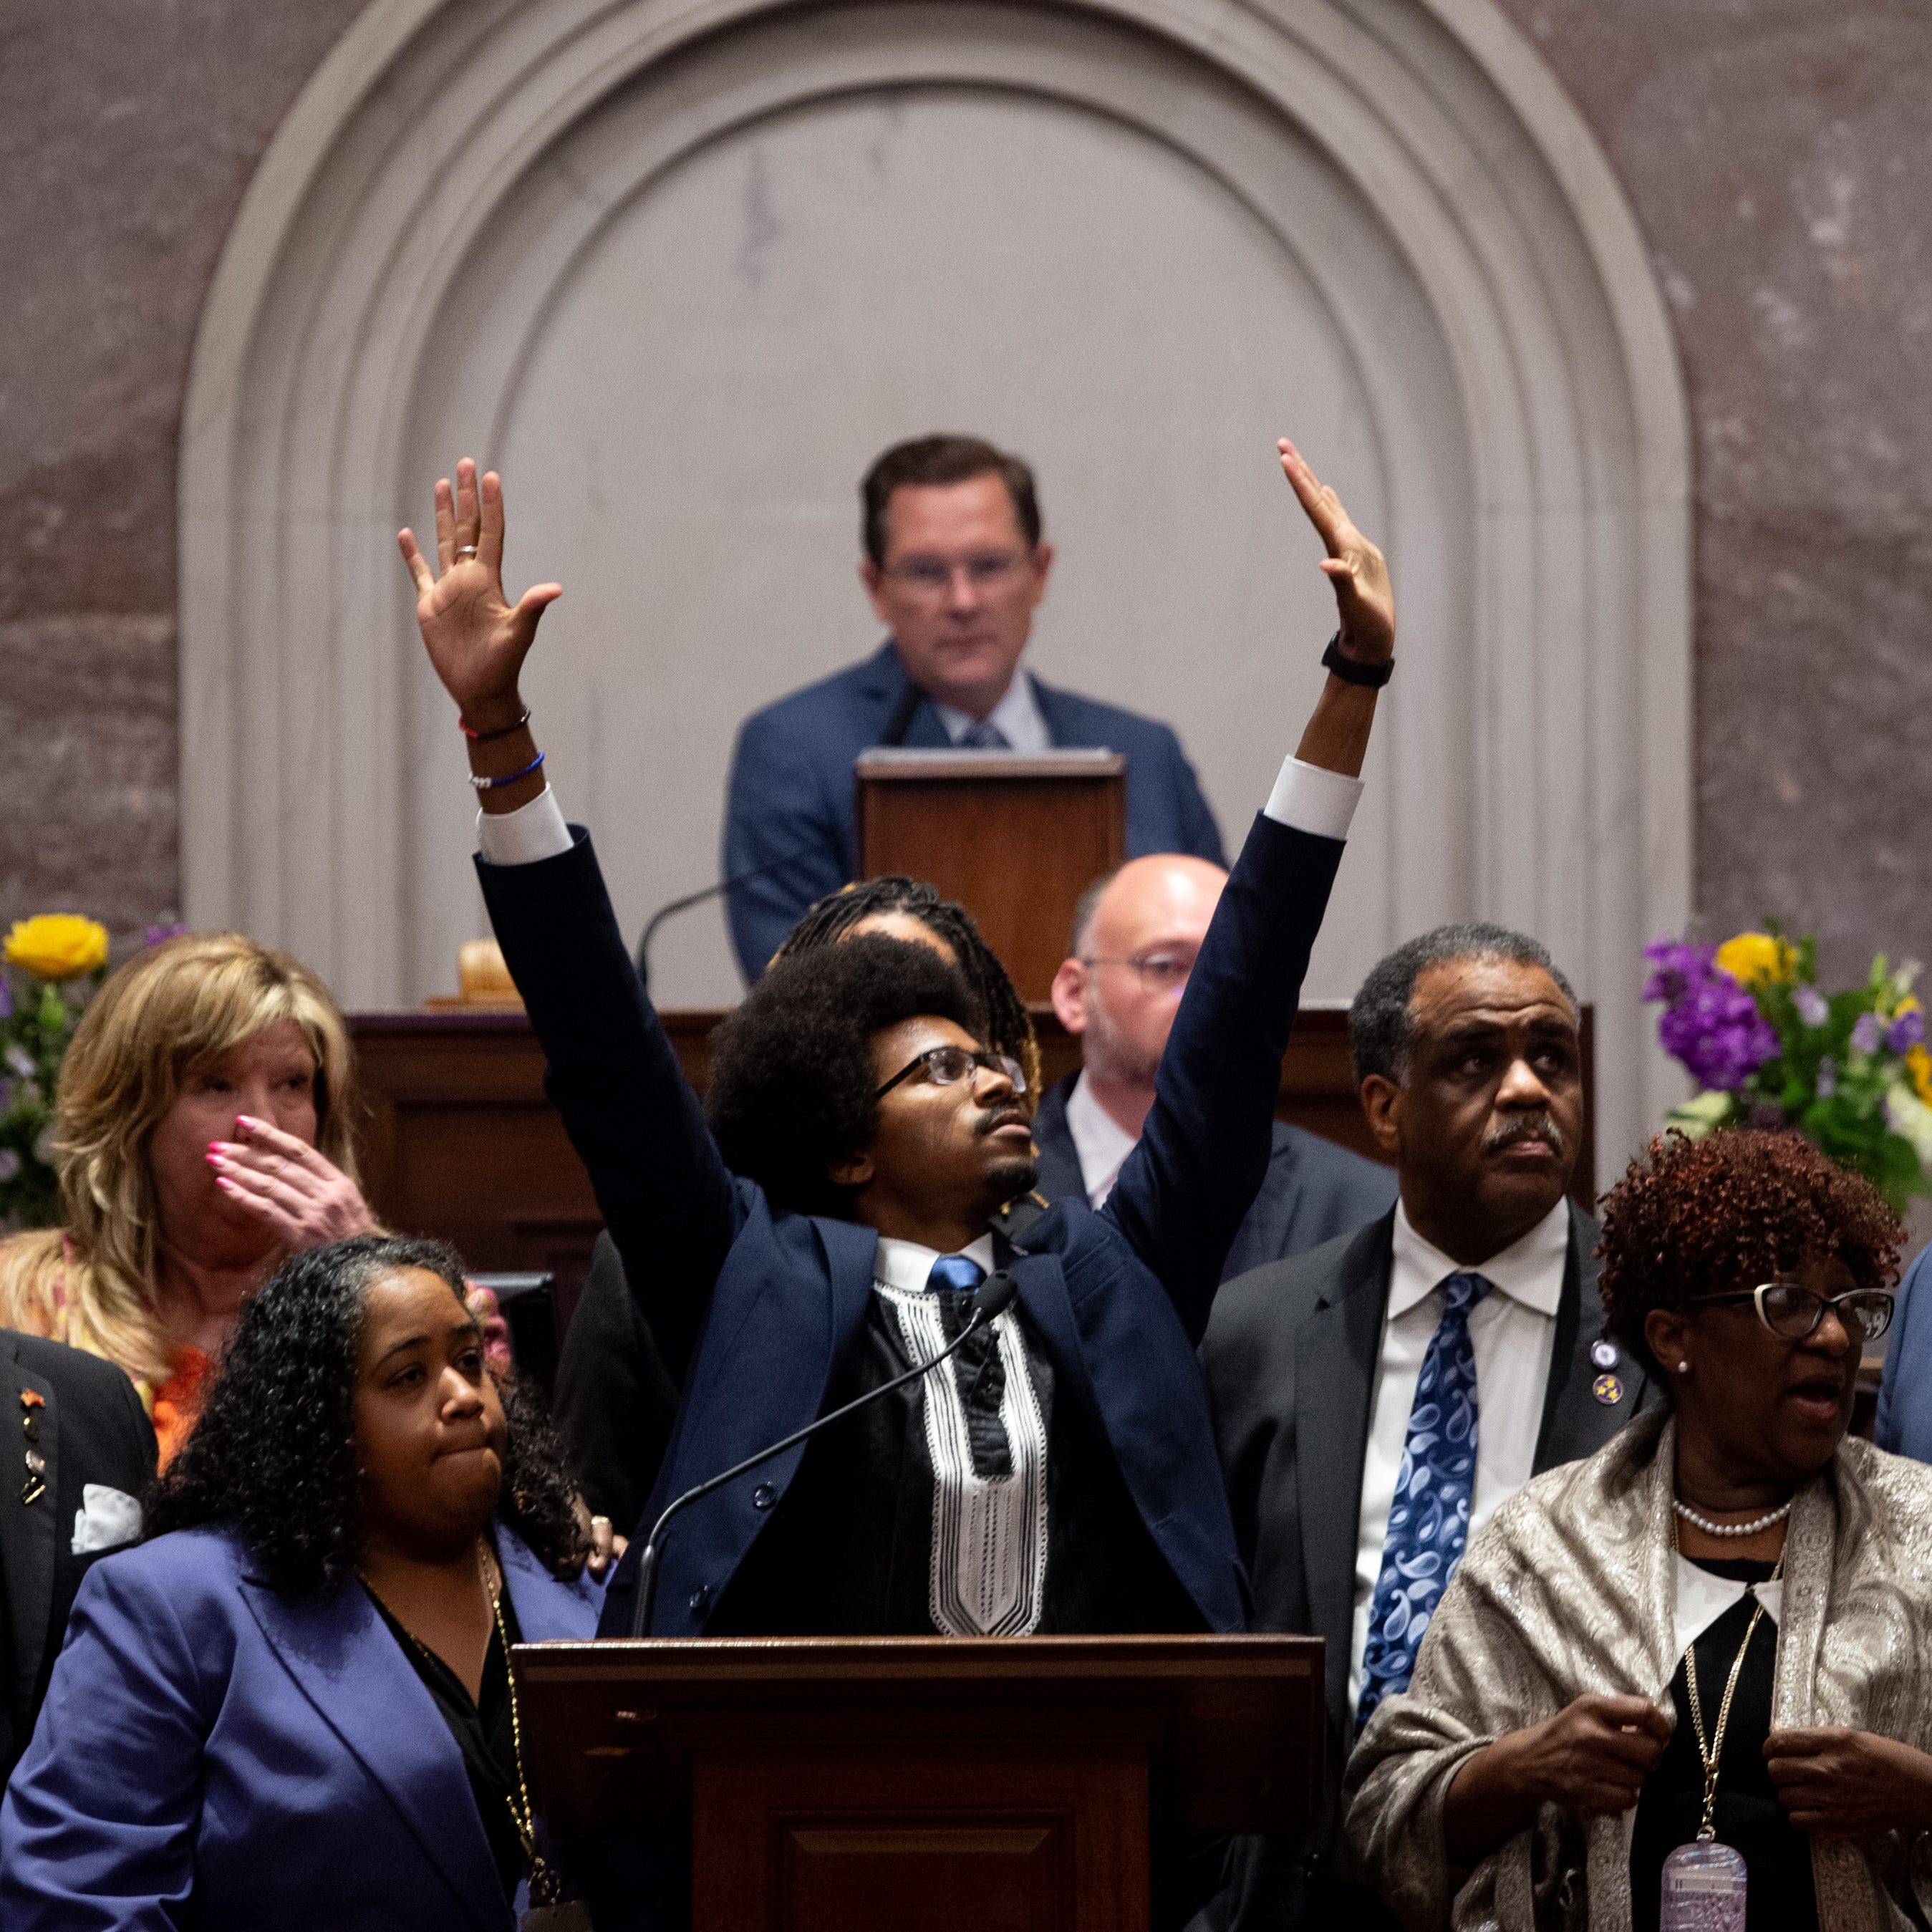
(1711, 1750)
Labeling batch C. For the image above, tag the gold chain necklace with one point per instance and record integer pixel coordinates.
(1711, 1751)
(545, 1886)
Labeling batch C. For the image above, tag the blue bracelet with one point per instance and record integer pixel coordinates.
(491, 784)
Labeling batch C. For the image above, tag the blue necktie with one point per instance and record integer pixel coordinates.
(976, 1372)
(984, 735)
(956, 1271)
(1428, 1520)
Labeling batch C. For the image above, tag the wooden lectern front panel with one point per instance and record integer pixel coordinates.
(932, 1831)
(1015, 840)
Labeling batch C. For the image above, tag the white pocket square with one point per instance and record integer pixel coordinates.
(106, 1517)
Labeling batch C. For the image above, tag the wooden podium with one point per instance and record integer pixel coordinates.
(874, 1784)
(1014, 839)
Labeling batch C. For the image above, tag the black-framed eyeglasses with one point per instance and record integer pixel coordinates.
(947, 1066)
(1791, 1311)
(1159, 972)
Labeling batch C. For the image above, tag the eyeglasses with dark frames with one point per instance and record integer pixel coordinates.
(1159, 972)
(1792, 1312)
(947, 1066)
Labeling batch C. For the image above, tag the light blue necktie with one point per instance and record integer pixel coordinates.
(983, 735)
(956, 1271)
(1428, 1520)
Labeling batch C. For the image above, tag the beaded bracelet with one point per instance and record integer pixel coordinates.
(484, 737)
(491, 784)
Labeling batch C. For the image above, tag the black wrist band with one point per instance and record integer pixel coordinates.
(1353, 670)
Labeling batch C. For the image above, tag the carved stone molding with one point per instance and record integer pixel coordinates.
(1524, 440)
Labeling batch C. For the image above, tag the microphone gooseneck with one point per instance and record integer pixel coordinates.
(995, 1294)
(716, 890)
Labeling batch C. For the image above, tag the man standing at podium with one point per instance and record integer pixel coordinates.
(955, 566)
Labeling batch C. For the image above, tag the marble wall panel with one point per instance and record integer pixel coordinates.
(1776, 155)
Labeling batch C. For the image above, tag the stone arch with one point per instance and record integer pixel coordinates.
(451, 182)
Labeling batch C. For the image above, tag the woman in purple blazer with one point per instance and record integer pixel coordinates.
(292, 1704)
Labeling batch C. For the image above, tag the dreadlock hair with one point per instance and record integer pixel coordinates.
(273, 1452)
(792, 1079)
(1009, 1025)
(1707, 1216)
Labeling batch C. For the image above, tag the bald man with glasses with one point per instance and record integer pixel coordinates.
(1135, 936)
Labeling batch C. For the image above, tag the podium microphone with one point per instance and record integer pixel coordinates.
(717, 890)
(995, 1294)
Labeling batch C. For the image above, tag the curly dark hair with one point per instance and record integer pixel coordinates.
(1009, 1025)
(1707, 1216)
(791, 1090)
(273, 1452)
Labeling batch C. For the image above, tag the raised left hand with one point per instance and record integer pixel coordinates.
(305, 1198)
(1354, 565)
(1842, 1783)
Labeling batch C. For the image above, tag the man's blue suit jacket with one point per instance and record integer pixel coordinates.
(214, 1754)
(1904, 1421)
(754, 1310)
(791, 788)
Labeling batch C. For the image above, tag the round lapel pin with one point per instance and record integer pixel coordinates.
(1608, 1390)
(1604, 1354)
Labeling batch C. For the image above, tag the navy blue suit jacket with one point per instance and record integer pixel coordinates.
(763, 1307)
(1904, 1421)
(212, 1754)
(791, 788)
(1314, 1189)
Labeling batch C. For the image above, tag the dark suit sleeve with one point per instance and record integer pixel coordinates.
(665, 1195)
(1206, 1147)
(616, 1402)
(777, 814)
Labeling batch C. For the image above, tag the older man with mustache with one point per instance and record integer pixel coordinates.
(1376, 1399)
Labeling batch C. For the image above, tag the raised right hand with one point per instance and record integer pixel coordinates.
(477, 640)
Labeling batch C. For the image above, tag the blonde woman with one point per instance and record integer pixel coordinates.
(203, 1136)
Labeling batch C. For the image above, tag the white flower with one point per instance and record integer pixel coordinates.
(1703, 1114)
(9, 1164)
(21, 1061)
(1910, 1118)
(43, 1148)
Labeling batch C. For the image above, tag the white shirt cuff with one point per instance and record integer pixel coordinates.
(521, 838)
(1310, 798)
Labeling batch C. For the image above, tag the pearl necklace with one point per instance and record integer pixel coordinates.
(1710, 1528)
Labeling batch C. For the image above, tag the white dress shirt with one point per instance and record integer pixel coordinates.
(1101, 1143)
(1512, 1332)
(1017, 714)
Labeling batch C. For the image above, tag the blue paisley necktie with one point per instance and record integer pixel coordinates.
(1428, 1520)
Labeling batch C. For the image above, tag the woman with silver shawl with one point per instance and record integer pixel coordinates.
(1553, 1754)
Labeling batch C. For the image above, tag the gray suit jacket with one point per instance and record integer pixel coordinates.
(1313, 1190)
(1291, 1354)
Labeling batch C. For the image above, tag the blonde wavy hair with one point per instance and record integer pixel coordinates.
(161, 1020)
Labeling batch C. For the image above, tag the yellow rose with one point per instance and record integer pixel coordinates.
(1918, 1071)
(1756, 958)
(57, 945)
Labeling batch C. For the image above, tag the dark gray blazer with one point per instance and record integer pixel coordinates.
(1291, 1354)
(1314, 1190)
(90, 1428)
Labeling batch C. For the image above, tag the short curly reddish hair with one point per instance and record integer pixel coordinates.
(1706, 1216)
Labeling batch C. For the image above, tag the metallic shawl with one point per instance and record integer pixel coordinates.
(1569, 1591)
